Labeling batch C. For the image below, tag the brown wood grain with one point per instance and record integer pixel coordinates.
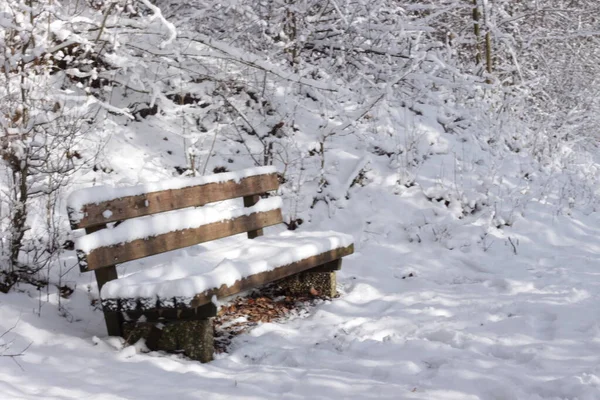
(249, 201)
(166, 200)
(331, 266)
(107, 256)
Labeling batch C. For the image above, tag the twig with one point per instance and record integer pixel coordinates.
(513, 245)
(11, 328)
(22, 353)
(254, 61)
(14, 356)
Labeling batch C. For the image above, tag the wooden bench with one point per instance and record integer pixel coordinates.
(171, 304)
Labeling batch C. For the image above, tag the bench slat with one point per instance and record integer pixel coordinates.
(315, 263)
(166, 200)
(140, 248)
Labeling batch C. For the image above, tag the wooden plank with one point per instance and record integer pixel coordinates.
(271, 276)
(331, 266)
(201, 300)
(166, 200)
(140, 248)
(249, 201)
(107, 274)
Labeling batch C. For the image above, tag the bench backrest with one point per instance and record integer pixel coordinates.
(95, 207)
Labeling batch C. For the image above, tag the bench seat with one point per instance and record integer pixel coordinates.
(190, 276)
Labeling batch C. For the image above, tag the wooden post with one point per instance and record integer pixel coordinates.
(103, 275)
(249, 201)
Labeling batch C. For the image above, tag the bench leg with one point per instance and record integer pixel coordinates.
(112, 319)
(318, 281)
(113, 323)
(192, 337)
(195, 339)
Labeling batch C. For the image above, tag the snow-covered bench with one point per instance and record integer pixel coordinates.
(131, 223)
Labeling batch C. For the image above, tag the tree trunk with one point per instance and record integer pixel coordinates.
(477, 31)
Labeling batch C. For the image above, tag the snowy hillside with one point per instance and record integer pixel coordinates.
(471, 194)
(433, 306)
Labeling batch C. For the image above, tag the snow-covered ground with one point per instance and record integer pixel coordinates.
(475, 277)
(472, 202)
(513, 316)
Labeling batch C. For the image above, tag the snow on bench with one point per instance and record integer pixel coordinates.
(188, 275)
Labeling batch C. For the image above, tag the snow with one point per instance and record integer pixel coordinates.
(77, 200)
(154, 225)
(434, 304)
(190, 274)
(169, 25)
(473, 209)
(107, 214)
(476, 325)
